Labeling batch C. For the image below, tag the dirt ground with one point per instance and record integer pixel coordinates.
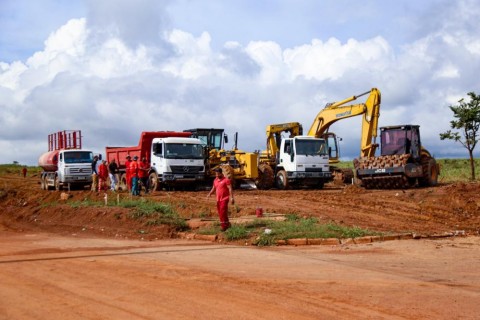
(427, 211)
(61, 261)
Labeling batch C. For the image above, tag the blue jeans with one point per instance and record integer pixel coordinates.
(135, 191)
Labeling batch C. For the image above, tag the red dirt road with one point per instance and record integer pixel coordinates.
(59, 261)
(45, 276)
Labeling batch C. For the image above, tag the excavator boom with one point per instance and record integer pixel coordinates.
(339, 110)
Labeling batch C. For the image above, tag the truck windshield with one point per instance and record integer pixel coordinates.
(183, 151)
(310, 147)
(78, 157)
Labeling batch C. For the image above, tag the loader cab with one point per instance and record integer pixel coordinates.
(211, 138)
(398, 140)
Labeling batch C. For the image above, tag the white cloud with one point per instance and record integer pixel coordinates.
(105, 79)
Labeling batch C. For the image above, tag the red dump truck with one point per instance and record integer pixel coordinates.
(65, 164)
(174, 157)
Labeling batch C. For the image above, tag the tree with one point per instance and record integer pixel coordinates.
(467, 121)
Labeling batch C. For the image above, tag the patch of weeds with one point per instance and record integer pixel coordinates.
(349, 232)
(203, 214)
(156, 213)
(237, 232)
(182, 205)
(295, 227)
(85, 203)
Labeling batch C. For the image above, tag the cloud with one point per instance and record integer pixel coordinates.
(122, 70)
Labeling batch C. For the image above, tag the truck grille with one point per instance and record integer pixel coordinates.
(80, 170)
(186, 169)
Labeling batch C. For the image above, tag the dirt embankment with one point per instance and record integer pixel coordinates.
(445, 208)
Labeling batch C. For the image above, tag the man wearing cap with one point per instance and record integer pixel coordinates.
(134, 176)
(223, 189)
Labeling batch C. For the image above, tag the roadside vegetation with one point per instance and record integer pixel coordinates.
(268, 232)
(261, 232)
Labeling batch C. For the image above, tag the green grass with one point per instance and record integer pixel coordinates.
(152, 213)
(452, 170)
(17, 169)
(293, 227)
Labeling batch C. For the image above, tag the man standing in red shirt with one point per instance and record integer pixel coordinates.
(102, 176)
(134, 176)
(223, 189)
(127, 173)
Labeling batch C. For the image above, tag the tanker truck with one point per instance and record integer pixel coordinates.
(65, 164)
(175, 159)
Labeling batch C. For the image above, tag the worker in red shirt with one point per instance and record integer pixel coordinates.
(102, 176)
(127, 173)
(143, 170)
(134, 176)
(223, 189)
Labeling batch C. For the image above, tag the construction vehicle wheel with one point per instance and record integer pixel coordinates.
(58, 187)
(430, 177)
(282, 180)
(153, 181)
(122, 184)
(266, 178)
(228, 172)
(43, 185)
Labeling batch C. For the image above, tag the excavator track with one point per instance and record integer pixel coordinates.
(399, 181)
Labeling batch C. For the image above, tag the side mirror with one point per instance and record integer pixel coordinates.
(225, 138)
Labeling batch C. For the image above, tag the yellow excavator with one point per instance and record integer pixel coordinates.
(403, 161)
(333, 112)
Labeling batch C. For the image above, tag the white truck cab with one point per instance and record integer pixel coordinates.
(176, 160)
(303, 160)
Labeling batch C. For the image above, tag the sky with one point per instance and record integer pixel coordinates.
(115, 68)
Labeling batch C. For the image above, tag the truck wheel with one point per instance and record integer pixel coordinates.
(153, 181)
(58, 186)
(282, 180)
(266, 178)
(42, 183)
(430, 177)
(122, 184)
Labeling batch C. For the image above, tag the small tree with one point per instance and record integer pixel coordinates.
(468, 123)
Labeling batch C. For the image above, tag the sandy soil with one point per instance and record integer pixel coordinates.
(59, 261)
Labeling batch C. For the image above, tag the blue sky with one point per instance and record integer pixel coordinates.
(114, 68)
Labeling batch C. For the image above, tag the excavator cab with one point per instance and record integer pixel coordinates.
(398, 140)
(332, 144)
(212, 138)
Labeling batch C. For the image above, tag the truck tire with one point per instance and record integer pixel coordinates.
(43, 185)
(58, 186)
(430, 178)
(266, 177)
(122, 184)
(153, 181)
(282, 180)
